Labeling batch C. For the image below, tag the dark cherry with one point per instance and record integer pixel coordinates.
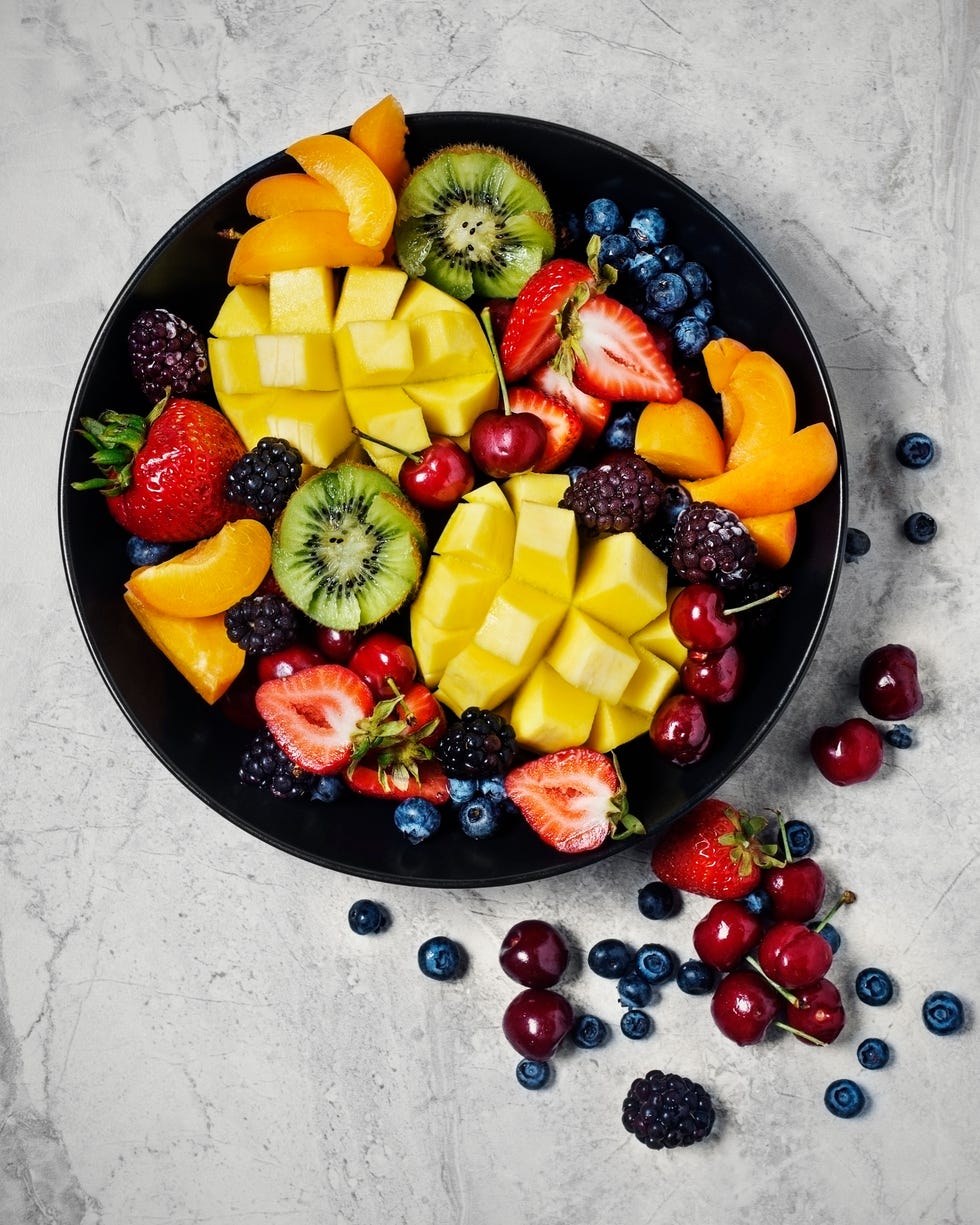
(849, 752)
(744, 1005)
(888, 683)
(536, 1021)
(699, 620)
(726, 933)
(796, 890)
(714, 676)
(502, 442)
(237, 703)
(534, 954)
(384, 662)
(679, 730)
(794, 955)
(294, 658)
(336, 645)
(819, 1012)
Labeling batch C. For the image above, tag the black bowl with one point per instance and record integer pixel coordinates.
(186, 271)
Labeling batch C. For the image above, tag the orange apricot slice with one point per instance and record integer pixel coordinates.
(290, 193)
(368, 196)
(314, 238)
(766, 406)
(211, 575)
(381, 133)
(680, 439)
(721, 356)
(774, 536)
(787, 475)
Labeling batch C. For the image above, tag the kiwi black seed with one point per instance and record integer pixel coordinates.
(348, 547)
(472, 219)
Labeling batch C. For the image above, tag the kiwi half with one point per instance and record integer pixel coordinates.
(472, 219)
(348, 547)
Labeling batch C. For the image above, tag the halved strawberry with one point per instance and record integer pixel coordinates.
(370, 777)
(531, 335)
(593, 411)
(313, 715)
(573, 799)
(616, 358)
(562, 422)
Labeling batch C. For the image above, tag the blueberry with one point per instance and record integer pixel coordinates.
(856, 544)
(609, 958)
(844, 1098)
(942, 1013)
(915, 450)
(690, 335)
(919, 527)
(462, 789)
(716, 333)
(655, 963)
(648, 227)
(417, 819)
(672, 255)
(440, 958)
(574, 471)
(657, 900)
(659, 319)
(327, 789)
(676, 500)
(366, 918)
(643, 268)
(589, 1032)
(602, 217)
(634, 990)
(874, 987)
(696, 977)
(698, 281)
(829, 933)
(635, 1023)
(799, 839)
(480, 817)
(899, 736)
(493, 788)
(533, 1073)
(703, 309)
(615, 250)
(873, 1053)
(757, 901)
(142, 552)
(667, 293)
(620, 431)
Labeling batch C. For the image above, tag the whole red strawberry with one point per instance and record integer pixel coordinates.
(714, 851)
(163, 475)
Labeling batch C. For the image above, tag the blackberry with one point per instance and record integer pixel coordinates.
(265, 477)
(664, 1110)
(620, 494)
(713, 545)
(261, 624)
(167, 352)
(265, 765)
(480, 745)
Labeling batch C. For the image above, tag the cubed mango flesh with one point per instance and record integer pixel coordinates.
(548, 713)
(546, 548)
(591, 656)
(520, 623)
(621, 582)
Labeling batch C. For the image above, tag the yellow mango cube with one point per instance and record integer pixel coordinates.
(544, 487)
(234, 365)
(653, 680)
(374, 352)
(434, 646)
(456, 592)
(451, 405)
(474, 677)
(591, 656)
(422, 298)
(448, 343)
(520, 623)
(548, 713)
(489, 492)
(369, 293)
(302, 360)
(616, 725)
(387, 413)
(621, 582)
(301, 300)
(315, 422)
(546, 548)
(244, 312)
(481, 531)
(659, 637)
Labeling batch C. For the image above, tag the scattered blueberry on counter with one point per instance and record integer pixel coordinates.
(367, 918)
(873, 987)
(920, 528)
(943, 1013)
(845, 1098)
(440, 958)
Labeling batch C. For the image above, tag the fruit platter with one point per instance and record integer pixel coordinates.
(515, 510)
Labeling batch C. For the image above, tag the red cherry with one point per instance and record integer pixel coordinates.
(534, 954)
(438, 476)
(384, 662)
(699, 620)
(237, 703)
(744, 1005)
(726, 933)
(818, 1013)
(714, 676)
(536, 1021)
(888, 683)
(793, 955)
(502, 442)
(679, 730)
(294, 658)
(795, 890)
(850, 752)
(336, 645)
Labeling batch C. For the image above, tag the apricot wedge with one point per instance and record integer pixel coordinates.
(721, 356)
(787, 475)
(774, 536)
(680, 439)
(368, 196)
(291, 193)
(765, 406)
(380, 131)
(307, 239)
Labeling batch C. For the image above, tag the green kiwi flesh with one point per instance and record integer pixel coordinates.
(347, 549)
(474, 220)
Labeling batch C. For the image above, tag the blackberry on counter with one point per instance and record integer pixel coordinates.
(166, 351)
(265, 477)
(622, 493)
(480, 745)
(265, 765)
(712, 545)
(261, 624)
(664, 1110)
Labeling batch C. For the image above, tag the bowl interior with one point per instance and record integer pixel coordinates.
(186, 271)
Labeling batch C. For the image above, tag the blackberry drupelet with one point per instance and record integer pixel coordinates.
(620, 494)
(265, 765)
(265, 477)
(712, 545)
(664, 1110)
(166, 351)
(261, 624)
(480, 745)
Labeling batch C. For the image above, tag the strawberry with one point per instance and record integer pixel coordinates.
(609, 352)
(314, 714)
(421, 710)
(573, 799)
(370, 777)
(531, 335)
(593, 412)
(562, 422)
(714, 851)
(163, 475)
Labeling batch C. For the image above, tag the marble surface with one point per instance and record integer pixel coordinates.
(188, 1030)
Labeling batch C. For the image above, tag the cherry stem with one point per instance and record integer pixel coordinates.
(488, 328)
(788, 996)
(779, 594)
(380, 442)
(799, 1033)
(845, 899)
